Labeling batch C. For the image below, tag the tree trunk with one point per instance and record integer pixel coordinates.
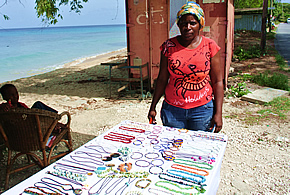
(263, 28)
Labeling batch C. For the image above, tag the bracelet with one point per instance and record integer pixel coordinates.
(156, 167)
(137, 164)
(156, 127)
(170, 128)
(183, 130)
(143, 187)
(140, 138)
(137, 143)
(152, 136)
(135, 158)
(154, 141)
(155, 160)
(151, 153)
(126, 167)
(156, 147)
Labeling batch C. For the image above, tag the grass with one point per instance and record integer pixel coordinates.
(277, 109)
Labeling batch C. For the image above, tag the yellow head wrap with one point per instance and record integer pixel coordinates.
(192, 8)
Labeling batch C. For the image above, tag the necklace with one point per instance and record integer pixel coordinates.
(64, 178)
(94, 155)
(185, 182)
(91, 160)
(104, 184)
(127, 184)
(94, 147)
(34, 191)
(132, 129)
(114, 185)
(188, 169)
(184, 175)
(193, 163)
(151, 190)
(159, 184)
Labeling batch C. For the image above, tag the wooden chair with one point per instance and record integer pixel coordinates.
(26, 132)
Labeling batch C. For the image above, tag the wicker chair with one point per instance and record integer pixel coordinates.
(26, 132)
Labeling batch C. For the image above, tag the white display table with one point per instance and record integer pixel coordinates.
(154, 156)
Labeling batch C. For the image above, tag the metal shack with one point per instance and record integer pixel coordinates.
(151, 22)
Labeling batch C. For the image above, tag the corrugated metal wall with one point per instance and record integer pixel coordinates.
(248, 22)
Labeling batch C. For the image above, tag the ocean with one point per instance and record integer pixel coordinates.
(30, 51)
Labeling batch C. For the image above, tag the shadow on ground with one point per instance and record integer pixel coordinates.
(78, 139)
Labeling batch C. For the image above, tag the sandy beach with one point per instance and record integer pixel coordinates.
(256, 160)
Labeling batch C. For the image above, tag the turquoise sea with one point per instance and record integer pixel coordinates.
(31, 51)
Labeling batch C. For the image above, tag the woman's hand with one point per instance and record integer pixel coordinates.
(151, 116)
(218, 122)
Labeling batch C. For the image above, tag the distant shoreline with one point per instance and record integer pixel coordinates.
(82, 63)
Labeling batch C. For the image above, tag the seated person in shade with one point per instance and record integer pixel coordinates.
(10, 94)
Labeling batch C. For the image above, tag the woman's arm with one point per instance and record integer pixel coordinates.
(216, 76)
(161, 83)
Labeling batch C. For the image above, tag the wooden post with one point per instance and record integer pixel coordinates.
(263, 28)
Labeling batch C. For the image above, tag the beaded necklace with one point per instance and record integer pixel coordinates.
(104, 184)
(90, 160)
(188, 169)
(94, 147)
(159, 184)
(184, 175)
(151, 190)
(127, 184)
(180, 181)
(193, 163)
(34, 192)
(114, 185)
(132, 129)
(64, 178)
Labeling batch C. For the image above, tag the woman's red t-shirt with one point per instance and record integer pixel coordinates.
(189, 80)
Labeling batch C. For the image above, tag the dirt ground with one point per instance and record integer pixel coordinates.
(256, 160)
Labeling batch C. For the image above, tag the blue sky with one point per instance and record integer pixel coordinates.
(95, 12)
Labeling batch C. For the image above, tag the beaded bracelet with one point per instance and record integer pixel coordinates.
(156, 172)
(170, 128)
(147, 155)
(183, 130)
(137, 143)
(155, 160)
(137, 163)
(136, 158)
(154, 141)
(126, 167)
(157, 147)
(152, 136)
(143, 187)
(140, 138)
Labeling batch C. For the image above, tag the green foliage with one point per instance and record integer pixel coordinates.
(279, 106)
(48, 10)
(248, 3)
(254, 51)
(238, 90)
(277, 80)
(280, 61)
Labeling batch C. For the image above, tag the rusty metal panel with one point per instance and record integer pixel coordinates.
(147, 29)
(230, 37)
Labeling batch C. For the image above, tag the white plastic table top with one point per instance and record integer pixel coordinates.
(194, 142)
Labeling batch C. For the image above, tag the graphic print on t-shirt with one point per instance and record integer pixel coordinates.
(194, 81)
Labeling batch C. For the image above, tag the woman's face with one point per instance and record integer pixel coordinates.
(189, 27)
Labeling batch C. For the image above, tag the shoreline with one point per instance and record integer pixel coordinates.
(82, 62)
